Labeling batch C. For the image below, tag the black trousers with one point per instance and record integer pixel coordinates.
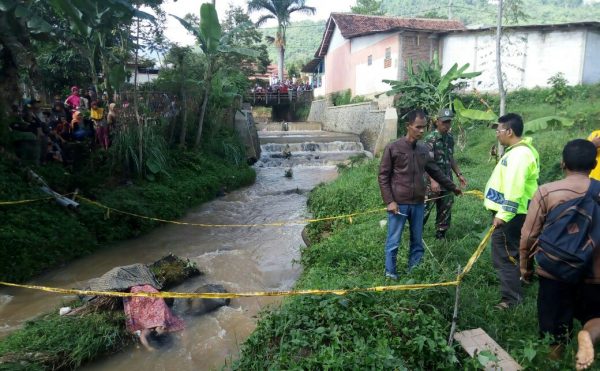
(559, 302)
(505, 258)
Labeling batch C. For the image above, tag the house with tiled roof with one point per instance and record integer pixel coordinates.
(357, 52)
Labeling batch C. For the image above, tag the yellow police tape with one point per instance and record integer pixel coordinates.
(476, 193)
(218, 295)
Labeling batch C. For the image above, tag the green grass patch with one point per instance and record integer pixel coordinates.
(38, 236)
(408, 330)
(54, 342)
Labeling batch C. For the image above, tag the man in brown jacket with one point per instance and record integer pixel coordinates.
(402, 184)
(559, 302)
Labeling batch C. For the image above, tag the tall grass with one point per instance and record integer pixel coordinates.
(63, 342)
(140, 149)
(406, 329)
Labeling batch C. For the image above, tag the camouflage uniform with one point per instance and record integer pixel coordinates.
(441, 148)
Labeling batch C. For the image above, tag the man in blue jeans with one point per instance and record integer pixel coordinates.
(402, 184)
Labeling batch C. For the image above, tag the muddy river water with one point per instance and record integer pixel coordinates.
(241, 259)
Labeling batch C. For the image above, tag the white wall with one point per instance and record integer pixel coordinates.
(591, 65)
(529, 57)
(368, 78)
(143, 78)
(359, 43)
(336, 39)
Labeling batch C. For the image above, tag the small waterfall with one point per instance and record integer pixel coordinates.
(309, 153)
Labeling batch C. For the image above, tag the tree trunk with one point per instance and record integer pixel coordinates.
(202, 112)
(501, 90)
(184, 107)
(280, 63)
(93, 71)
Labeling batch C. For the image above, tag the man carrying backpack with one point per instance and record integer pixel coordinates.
(562, 231)
(507, 194)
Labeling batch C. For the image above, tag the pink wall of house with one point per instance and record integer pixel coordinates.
(346, 68)
(368, 78)
(339, 74)
(346, 65)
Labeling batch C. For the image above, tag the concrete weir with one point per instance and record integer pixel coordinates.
(300, 144)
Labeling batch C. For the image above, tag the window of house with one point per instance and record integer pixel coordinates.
(370, 60)
(387, 61)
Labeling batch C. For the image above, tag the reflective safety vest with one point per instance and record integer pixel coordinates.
(513, 181)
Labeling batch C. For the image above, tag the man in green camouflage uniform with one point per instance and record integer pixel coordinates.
(441, 148)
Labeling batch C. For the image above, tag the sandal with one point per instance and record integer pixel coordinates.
(502, 305)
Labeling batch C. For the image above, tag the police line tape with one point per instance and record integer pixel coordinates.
(109, 209)
(226, 295)
(475, 193)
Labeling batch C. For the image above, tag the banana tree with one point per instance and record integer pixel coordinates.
(19, 24)
(213, 42)
(426, 87)
(92, 25)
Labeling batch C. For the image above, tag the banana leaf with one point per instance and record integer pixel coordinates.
(473, 114)
(543, 123)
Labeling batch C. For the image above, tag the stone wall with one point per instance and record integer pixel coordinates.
(317, 111)
(364, 119)
(243, 124)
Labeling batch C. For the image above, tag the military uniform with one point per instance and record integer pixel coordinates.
(441, 148)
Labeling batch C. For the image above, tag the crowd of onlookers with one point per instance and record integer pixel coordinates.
(82, 117)
(283, 87)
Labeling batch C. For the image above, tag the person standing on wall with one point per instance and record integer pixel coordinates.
(441, 147)
(507, 194)
(402, 185)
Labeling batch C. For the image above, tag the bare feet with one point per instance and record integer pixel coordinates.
(144, 340)
(160, 330)
(585, 353)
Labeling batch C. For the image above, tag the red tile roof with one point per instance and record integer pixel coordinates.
(353, 25)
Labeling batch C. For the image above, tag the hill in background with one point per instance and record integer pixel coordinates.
(304, 37)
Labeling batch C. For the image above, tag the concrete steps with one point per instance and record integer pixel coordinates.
(291, 126)
(317, 136)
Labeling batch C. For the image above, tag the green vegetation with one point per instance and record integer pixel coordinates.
(341, 98)
(56, 342)
(302, 40)
(280, 11)
(367, 7)
(53, 342)
(409, 330)
(483, 12)
(194, 177)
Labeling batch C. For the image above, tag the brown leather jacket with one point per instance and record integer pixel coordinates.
(402, 172)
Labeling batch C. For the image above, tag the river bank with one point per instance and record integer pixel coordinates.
(241, 259)
(38, 236)
(404, 330)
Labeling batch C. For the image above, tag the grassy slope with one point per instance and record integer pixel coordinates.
(42, 235)
(406, 329)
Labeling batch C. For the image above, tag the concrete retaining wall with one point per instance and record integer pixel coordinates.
(317, 111)
(246, 129)
(375, 127)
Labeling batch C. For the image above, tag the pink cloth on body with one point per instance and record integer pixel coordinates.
(143, 313)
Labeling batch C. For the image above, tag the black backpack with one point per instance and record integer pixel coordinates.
(565, 248)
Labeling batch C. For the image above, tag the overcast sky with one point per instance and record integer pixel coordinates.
(176, 33)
